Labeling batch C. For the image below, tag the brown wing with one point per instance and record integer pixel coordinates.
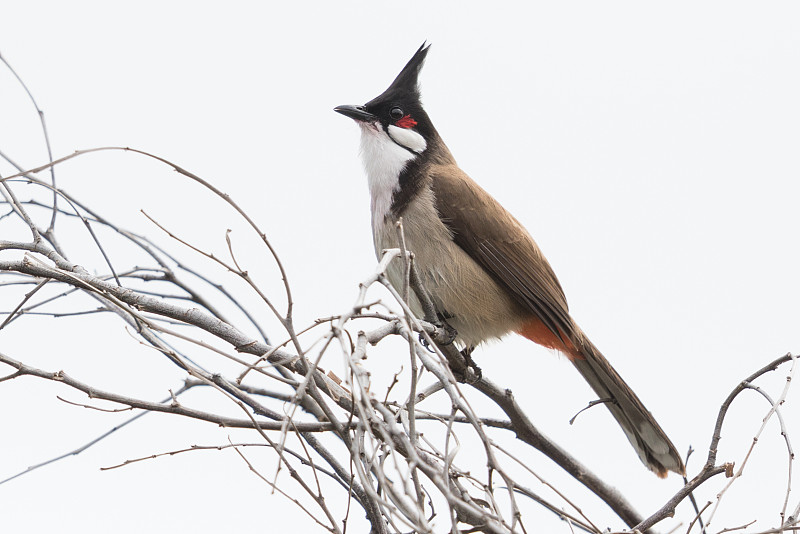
(502, 246)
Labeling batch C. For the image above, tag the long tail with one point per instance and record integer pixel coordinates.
(650, 442)
(648, 439)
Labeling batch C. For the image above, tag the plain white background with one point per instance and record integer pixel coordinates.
(651, 150)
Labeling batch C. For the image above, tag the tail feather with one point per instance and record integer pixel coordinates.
(648, 439)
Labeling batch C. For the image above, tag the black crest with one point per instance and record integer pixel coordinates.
(405, 87)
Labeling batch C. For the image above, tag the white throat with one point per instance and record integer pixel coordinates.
(384, 159)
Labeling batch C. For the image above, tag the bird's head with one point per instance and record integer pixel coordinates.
(396, 115)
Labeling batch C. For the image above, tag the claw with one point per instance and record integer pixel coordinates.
(424, 342)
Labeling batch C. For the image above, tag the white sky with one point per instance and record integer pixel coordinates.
(651, 150)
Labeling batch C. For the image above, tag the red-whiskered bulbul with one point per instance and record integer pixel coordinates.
(484, 272)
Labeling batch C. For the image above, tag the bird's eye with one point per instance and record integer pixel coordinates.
(396, 113)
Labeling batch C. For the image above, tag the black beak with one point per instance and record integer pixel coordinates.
(358, 113)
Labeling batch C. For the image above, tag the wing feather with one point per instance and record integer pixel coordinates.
(500, 244)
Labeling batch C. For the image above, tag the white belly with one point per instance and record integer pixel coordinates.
(473, 303)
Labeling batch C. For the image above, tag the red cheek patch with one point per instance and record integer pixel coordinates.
(406, 122)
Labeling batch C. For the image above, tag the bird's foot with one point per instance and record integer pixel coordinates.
(443, 334)
(473, 373)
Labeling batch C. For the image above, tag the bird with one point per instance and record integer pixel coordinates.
(483, 271)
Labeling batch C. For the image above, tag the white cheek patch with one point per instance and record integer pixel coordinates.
(383, 161)
(408, 138)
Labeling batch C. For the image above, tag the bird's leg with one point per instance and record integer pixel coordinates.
(474, 373)
(464, 369)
